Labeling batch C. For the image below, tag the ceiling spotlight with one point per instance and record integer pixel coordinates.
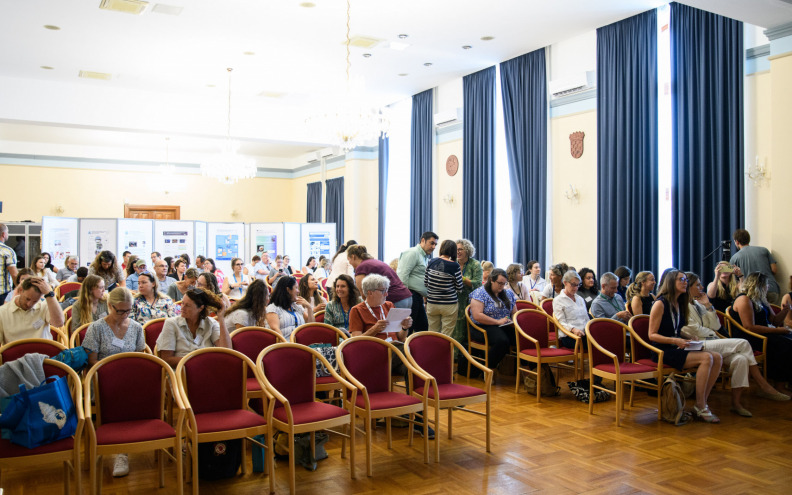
(210, 86)
(487, 38)
(366, 55)
(248, 53)
(402, 36)
(308, 5)
(46, 67)
(403, 74)
(51, 27)
(428, 64)
(466, 47)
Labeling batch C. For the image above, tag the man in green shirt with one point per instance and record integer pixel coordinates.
(412, 267)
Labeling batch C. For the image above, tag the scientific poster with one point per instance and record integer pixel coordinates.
(226, 246)
(59, 238)
(318, 239)
(135, 236)
(226, 241)
(266, 237)
(174, 238)
(97, 235)
(200, 238)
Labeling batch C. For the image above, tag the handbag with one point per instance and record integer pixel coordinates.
(328, 351)
(76, 358)
(42, 415)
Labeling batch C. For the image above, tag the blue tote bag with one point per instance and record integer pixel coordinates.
(42, 415)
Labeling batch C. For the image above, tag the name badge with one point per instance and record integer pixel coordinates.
(38, 323)
(197, 340)
(117, 342)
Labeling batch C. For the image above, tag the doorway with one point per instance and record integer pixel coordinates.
(153, 212)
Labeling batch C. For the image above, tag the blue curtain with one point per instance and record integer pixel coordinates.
(478, 161)
(627, 144)
(524, 90)
(421, 143)
(384, 157)
(314, 209)
(334, 208)
(707, 112)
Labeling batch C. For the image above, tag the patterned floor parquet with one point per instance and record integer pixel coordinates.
(554, 447)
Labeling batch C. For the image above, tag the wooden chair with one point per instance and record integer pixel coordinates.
(532, 329)
(130, 412)
(736, 330)
(547, 307)
(64, 288)
(432, 354)
(58, 335)
(78, 336)
(213, 387)
(250, 341)
(642, 354)
(66, 450)
(319, 316)
(323, 284)
(320, 333)
(288, 371)
(472, 344)
(18, 348)
(366, 363)
(523, 304)
(606, 343)
(152, 330)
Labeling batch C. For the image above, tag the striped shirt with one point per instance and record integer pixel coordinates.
(443, 280)
(7, 258)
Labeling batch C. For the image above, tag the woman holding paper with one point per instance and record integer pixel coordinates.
(492, 308)
(668, 315)
(370, 318)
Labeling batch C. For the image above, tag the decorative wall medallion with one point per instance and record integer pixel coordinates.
(452, 165)
(576, 143)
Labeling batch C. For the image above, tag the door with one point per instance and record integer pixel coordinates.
(152, 212)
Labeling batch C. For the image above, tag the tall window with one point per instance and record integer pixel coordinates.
(504, 229)
(664, 142)
(397, 215)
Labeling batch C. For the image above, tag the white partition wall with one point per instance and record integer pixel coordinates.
(59, 237)
(136, 236)
(200, 239)
(317, 239)
(226, 241)
(291, 244)
(97, 235)
(265, 237)
(174, 238)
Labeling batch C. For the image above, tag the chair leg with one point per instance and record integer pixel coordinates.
(66, 478)
(270, 460)
(437, 430)
(538, 383)
(194, 462)
(450, 422)
(619, 401)
(352, 446)
(292, 478)
(368, 445)
(489, 404)
(591, 392)
(659, 397)
(161, 461)
(179, 467)
(388, 432)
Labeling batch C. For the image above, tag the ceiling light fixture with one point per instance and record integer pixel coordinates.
(308, 5)
(466, 47)
(487, 38)
(46, 67)
(51, 27)
(403, 36)
(366, 55)
(353, 122)
(229, 167)
(428, 64)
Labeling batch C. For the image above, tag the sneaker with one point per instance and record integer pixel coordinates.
(418, 428)
(121, 466)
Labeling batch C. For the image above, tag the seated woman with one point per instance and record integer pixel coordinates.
(570, 310)
(287, 268)
(151, 304)
(514, 273)
(177, 290)
(639, 294)
(491, 308)
(345, 296)
(753, 312)
(209, 266)
(556, 285)
(106, 266)
(287, 310)
(726, 287)
(486, 270)
(666, 319)
(48, 265)
(703, 324)
(39, 269)
(235, 285)
(589, 288)
(323, 270)
(179, 269)
(369, 318)
(309, 290)
(194, 329)
(310, 265)
(625, 276)
(113, 334)
(535, 281)
(276, 272)
(91, 303)
(207, 281)
(251, 310)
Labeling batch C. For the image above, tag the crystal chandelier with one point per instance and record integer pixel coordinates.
(351, 121)
(229, 167)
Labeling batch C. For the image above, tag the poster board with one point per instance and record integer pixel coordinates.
(97, 235)
(225, 241)
(174, 238)
(291, 244)
(317, 239)
(200, 239)
(135, 235)
(265, 237)
(59, 237)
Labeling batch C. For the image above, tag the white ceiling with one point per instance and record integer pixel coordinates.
(169, 72)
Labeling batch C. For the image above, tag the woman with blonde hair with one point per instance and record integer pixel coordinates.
(91, 302)
(39, 269)
(514, 273)
(726, 287)
(236, 284)
(639, 294)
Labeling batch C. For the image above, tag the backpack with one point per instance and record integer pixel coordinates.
(672, 402)
(549, 387)
(219, 460)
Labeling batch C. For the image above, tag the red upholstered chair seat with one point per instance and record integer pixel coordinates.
(141, 430)
(549, 352)
(228, 420)
(253, 384)
(453, 391)
(649, 362)
(310, 412)
(626, 368)
(321, 380)
(386, 400)
(8, 449)
(758, 353)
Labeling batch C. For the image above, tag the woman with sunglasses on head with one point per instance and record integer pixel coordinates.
(91, 303)
(151, 304)
(235, 285)
(287, 309)
(106, 266)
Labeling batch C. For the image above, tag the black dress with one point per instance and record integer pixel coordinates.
(670, 327)
(779, 346)
(646, 305)
(721, 303)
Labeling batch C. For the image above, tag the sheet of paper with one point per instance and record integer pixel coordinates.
(694, 345)
(395, 317)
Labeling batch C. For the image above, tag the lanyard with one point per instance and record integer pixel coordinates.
(382, 312)
(533, 284)
(612, 301)
(294, 315)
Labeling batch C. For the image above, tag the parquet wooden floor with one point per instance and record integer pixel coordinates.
(554, 447)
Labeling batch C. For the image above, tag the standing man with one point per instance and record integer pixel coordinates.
(8, 261)
(27, 316)
(161, 272)
(755, 259)
(411, 271)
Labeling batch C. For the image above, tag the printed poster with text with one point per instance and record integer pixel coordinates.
(319, 244)
(174, 238)
(227, 246)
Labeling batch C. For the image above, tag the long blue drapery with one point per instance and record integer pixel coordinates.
(707, 112)
(627, 144)
(314, 207)
(334, 208)
(421, 142)
(524, 90)
(478, 161)
(384, 157)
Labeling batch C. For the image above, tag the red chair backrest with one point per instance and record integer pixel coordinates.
(640, 326)
(521, 304)
(251, 342)
(82, 335)
(298, 275)
(316, 335)
(610, 335)
(367, 361)
(153, 331)
(292, 372)
(129, 389)
(536, 324)
(319, 317)
(68, 312)
(323, 283)
(214, 382)
(40, 346)
(547, 306)
(434, 355)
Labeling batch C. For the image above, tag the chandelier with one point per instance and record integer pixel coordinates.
(228, 166)
(351, 122)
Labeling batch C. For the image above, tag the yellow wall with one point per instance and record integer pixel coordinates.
(758, 198)
(449, 215)
(361, 203)
(573, 222)
(780, 170)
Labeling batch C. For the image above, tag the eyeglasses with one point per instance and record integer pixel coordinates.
(572, 284)
(384, 291)
(121, 311)
(683, 279)
(238, 264)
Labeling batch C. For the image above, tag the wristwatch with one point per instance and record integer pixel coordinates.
(50, 294)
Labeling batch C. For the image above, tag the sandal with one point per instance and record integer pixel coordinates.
(706, 415)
